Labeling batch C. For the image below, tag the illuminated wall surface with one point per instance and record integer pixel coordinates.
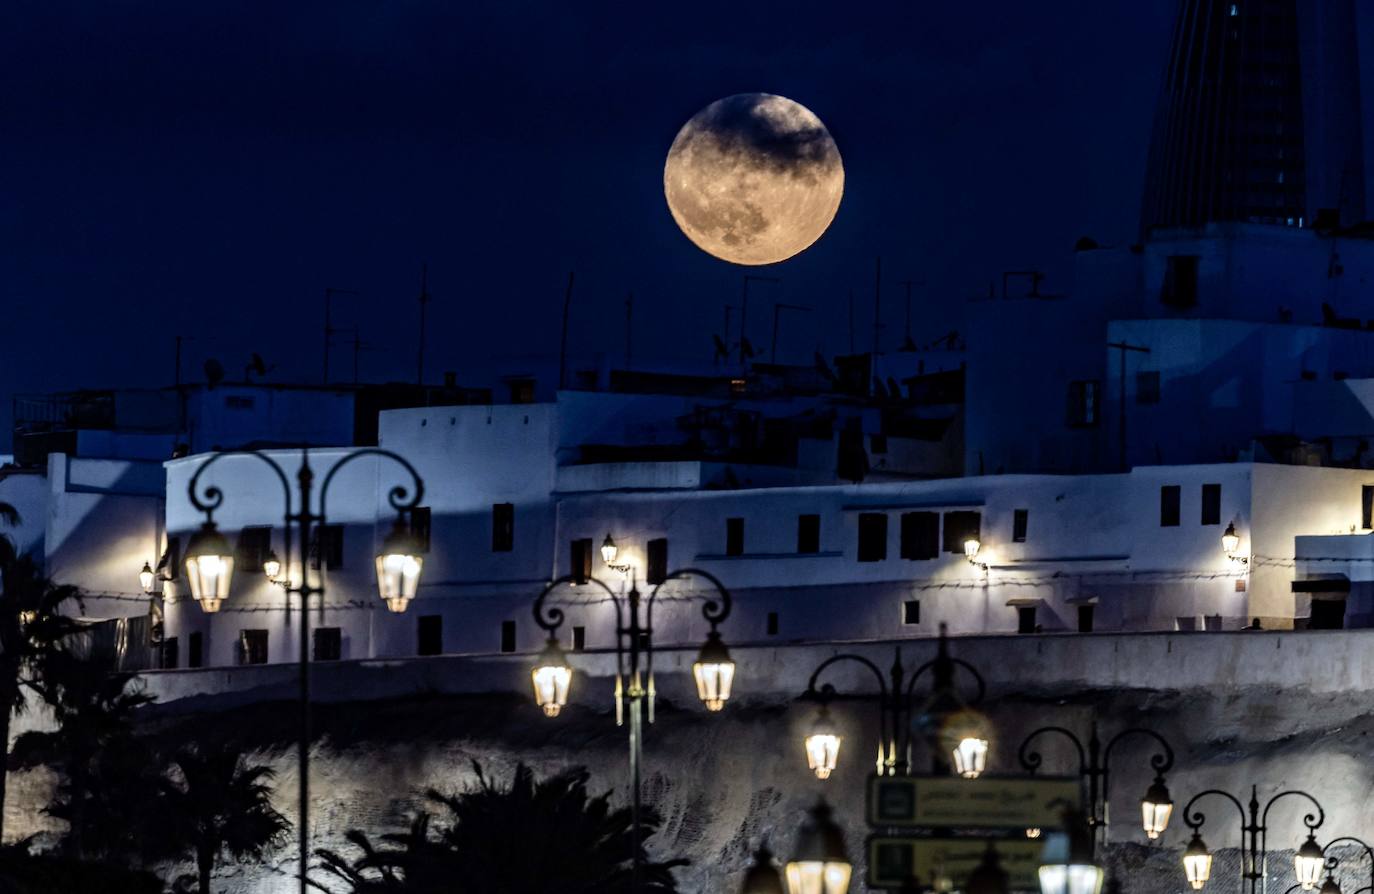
(723, 781)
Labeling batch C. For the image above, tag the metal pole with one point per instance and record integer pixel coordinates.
(420, 354)
(636, 738)
(563, 342)
(305, 477)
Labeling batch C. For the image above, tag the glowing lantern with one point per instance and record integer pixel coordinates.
(399, 563)
(1230, 540)
(1197, 862)
(819, 864)
(1067, 865)
(551, 676)
(271, 566)
(823, 745)
(145, 578)
(209, 567)
(1156, 808)
(715, 672)
(1308, 863)
(971, 757)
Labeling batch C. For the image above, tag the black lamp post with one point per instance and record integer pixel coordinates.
(1254, 826)
(210, 566)
(714, 670)
(1094, 767)
(953, 727)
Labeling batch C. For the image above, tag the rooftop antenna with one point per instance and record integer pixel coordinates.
(851, 321)
(907, 343)
(563, 343)
(744, 312)
(877, 301)
(778, 308)
(629, 325)
(329, 329)
(420, 355)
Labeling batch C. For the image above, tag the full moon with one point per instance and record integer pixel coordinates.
(753, 178)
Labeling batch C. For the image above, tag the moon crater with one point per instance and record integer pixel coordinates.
(753, 178)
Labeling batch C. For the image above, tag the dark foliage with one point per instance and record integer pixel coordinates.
(535, 837)
(24, 873)
(218, 805)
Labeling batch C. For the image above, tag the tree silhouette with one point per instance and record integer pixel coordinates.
(33, 630)
(535, 837)
(217, 804)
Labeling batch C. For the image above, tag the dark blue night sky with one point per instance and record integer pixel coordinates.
(209, 168)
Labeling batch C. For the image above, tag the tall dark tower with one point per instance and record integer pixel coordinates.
(1260, 116)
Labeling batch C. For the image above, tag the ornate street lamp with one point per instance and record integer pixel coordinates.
(271, 566)
(955, 731)
(210, 567)
(819, 863)
(146, 578)
(1307, 863)
(551, 676)
(971, 547)
(762, 876)
(399, 563)
(713, 669)
(1067, 862)
(823, 745)
(1094, 767)
(609, 552)
(1197, 862)
(1230, 540)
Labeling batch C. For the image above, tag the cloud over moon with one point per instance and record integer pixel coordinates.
(753, 178)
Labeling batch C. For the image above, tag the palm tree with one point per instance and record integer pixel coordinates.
(535, 837)
(32, 631)
(220, 805)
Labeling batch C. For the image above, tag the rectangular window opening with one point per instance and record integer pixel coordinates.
(920, 535)
(734, 536)
(808, 533)
(1025, 619)
(253, 545)
(1085, 618)
(195, 651)
(1084, 404)
(429, 635)
(1169, 497)
(420, 526)
(170, 658)
(579, 638)
(252, 646)
(772, 624)
(502, 527)
(656, 561)
(328, 643)
(580, 555)
(327, 547)
(1211, 504)
(872, 537)
(1367, 506)
(507, 636)
(1020, 520)
(961, 526)
(1147, 387)
(911, 611)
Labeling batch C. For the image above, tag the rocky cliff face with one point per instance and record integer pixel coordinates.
(724, 782)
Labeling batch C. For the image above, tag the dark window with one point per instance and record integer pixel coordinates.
(656, 561)
(1367, 505)
(238, 402)
(1211, 504)
(920, 535)
(872, 537)
(961, 526)
(1169, 496)
(1084, 403)
(1085, 618)
(252, 548)
(328, 643)
(430, 635)
(808, 533)
(195, 654)
(772, 626)
(507, 636)
(911, 611)
(1327, 614)
(734, 536)
(502, 527)
(1180, 281)
(579, 638)
(1025, 619)
(420, 519)
(170, 658)
(327, 547)
(580, 554)
(877, 443)
(252, 647)
(1020, 519)
(1147, 387)
(644, 642)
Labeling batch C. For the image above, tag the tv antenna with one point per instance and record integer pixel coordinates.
(329, 329)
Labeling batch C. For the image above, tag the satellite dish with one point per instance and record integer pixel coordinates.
(214, 372)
